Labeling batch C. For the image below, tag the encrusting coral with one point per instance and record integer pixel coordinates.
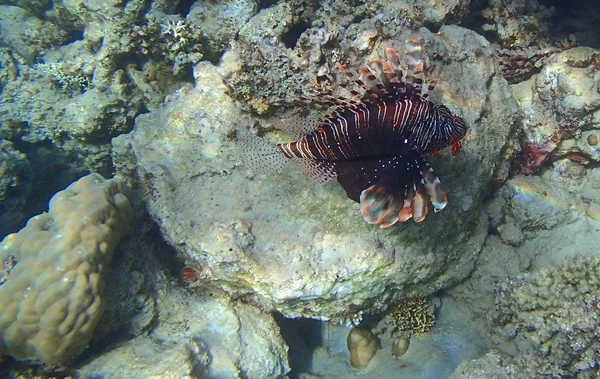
(51, 294)
(553, 316)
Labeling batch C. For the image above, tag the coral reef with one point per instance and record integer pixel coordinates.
(171, 39)
(185, 156)
(400, 346)
(52, 297)
(285, 46)
(528, 212)
(351, 317)
(521, 65)
(492, 365)
(7, 266)
(552, 316)
(220, 22)
(583, 149)
(496, 261)
(27, 34)
(75, 74)
(517, 24)
(559, 103)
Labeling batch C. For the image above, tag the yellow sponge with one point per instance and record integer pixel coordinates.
(51, 290)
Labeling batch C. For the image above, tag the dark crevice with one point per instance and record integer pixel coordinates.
(262, 4)
(54, 172)
(291, 37)
(184, 6)
(357, 19)
(578, 18)
(75, 35)
(474, 20)
(303, 336)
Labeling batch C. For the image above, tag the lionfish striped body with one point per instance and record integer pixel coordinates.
(373, 141)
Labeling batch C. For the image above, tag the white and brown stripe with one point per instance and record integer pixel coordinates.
(364, 131)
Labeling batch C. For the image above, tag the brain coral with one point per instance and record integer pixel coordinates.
(51, 292)
(553, 316)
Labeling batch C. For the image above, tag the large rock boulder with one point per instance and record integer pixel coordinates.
(301, 248)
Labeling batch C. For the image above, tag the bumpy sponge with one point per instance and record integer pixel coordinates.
(51, 290)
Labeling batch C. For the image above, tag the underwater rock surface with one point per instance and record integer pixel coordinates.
(15, 185)
(285, 243)
(198, 337)
(560, 103)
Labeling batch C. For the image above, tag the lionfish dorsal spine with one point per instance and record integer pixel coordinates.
(414, 73)
(379, 78)
(368, 82)
(430, 88)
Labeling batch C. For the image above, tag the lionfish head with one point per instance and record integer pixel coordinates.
(449, 130)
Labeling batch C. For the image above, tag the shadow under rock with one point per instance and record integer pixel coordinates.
(143, 264)
(303, 336)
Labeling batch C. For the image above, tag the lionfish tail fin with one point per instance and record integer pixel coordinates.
(259, 155)
(403, 196)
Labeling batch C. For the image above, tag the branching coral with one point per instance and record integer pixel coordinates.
(173, 40)
(413, 316)
(59, 73)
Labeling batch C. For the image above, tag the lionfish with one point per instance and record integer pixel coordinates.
(374, 140)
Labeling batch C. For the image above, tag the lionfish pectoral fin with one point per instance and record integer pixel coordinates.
(406, 212)
(402, 193)
(259, 155)
(436, 193)
(419, 206)
(379, 205)
(318, 171)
